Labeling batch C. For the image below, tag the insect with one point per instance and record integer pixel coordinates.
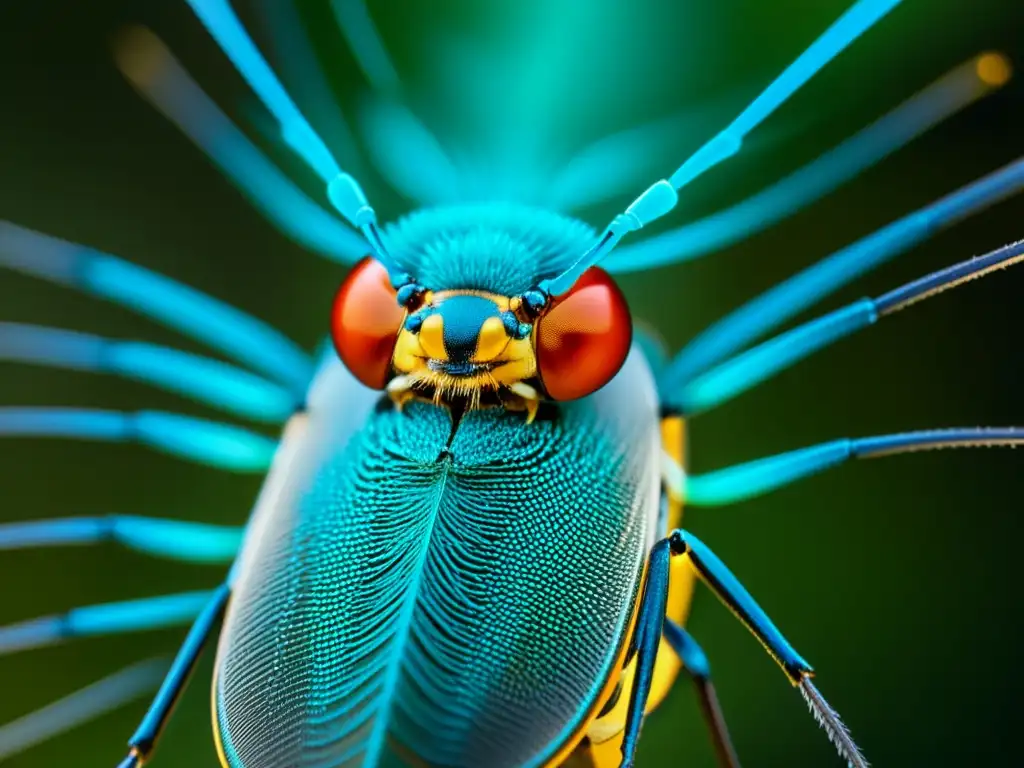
(467, 550)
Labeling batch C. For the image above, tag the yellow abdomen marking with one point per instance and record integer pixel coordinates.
(605, 733)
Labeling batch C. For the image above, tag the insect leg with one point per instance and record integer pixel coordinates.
(144, 739)
(237, 334)
(695, 662)
(740, 373)
(366, 45)
(224, 446)
(766, 312)
(173, 539)
(403, 149)
(221, 385)
(406, 152)
(646, 639)
(728, 589)
(946, 96)
(151, 68)
(105, 619)
(81, 706)
(744, 481)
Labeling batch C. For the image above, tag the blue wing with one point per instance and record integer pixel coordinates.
(463, 603)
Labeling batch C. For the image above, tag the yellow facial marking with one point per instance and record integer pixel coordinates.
(491, 341)
(503, 363)
(432, 338)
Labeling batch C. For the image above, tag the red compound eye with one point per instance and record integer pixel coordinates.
(583, 340)
(365, 322)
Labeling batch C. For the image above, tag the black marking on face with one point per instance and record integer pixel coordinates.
(463, 317)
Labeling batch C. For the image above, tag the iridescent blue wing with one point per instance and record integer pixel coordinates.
(464, 603)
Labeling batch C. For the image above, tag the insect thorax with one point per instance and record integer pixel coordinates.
(500, 248)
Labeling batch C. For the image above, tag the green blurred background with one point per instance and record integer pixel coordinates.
(898, 578)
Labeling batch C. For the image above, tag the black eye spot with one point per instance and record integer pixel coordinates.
(513, 327)
(534, 302)
(413, 323)
(410, 295)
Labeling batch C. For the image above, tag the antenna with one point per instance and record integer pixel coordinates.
(662, 196)
(344, 192)
(961, 86)
(348, 198)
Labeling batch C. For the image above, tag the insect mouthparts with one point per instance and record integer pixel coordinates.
(458, 368)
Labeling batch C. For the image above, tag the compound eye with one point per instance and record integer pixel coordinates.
(583, 340)
(365, 322)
